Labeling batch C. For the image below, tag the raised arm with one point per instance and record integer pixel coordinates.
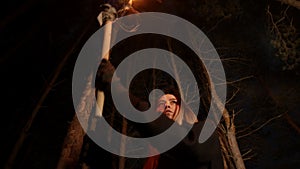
(104, 83)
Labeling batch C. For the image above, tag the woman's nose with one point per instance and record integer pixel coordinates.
(167, 105)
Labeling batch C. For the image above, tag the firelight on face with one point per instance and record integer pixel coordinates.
(168, 105)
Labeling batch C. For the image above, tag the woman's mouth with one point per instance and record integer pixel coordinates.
(169, 114)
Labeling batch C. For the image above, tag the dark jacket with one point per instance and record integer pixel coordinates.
(188, 153)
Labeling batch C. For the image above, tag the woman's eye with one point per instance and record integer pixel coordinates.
(173, 102)
(161, 103)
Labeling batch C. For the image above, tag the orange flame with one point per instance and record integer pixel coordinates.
(130, 2)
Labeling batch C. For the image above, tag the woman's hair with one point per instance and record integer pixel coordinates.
(186, 114)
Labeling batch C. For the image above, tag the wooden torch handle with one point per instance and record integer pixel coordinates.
(105, 55)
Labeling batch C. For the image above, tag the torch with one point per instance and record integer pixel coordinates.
(107, 16)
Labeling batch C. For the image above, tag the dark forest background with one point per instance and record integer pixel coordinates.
(258, 42)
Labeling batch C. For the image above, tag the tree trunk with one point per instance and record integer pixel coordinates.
(72, 146)
(74, 140)
(233, 146)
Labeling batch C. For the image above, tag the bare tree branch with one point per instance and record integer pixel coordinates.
(265, 123)
(247, 128)
(246, 153)
(293, 3)
(238, 80)
(292, 123)
(233, 95)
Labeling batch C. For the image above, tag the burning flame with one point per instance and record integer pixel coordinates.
(130, 2)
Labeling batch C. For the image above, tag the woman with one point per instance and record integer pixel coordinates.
(188, 153)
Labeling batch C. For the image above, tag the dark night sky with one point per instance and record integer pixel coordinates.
(37, 35)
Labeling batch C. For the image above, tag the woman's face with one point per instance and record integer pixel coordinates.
(168, 105)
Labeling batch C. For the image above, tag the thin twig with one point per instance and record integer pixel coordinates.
(238, 80)
(247, 128)
(246, 153)
(233, 95)
(292, 123)
(264, 124)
